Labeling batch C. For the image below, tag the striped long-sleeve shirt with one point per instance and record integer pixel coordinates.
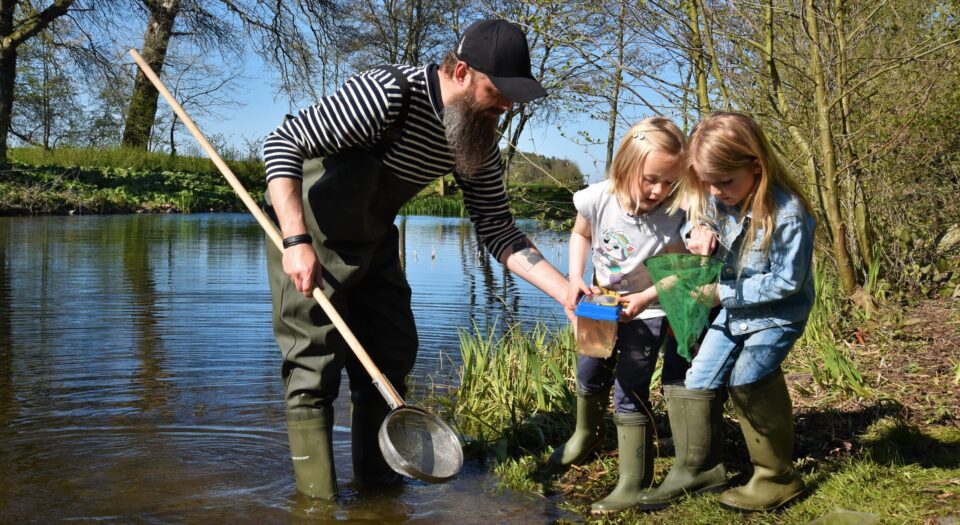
(359, 112)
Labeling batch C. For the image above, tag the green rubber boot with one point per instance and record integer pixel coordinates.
(635, 441)
(696, 422)
(766, 419)
(589, 433)
(311, 448)
(369, 467)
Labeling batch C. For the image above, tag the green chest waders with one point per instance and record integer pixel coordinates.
(350, 202)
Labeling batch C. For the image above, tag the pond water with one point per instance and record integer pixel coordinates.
(139, 379)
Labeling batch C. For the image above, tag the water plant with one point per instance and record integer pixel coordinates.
(516, 390)
(830, 366)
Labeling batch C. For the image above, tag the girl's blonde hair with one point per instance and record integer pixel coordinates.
(649, 134)
(728, 141)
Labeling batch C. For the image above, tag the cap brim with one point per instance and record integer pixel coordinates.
(518, 89)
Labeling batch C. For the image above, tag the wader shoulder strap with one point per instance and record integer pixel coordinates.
(392, 134)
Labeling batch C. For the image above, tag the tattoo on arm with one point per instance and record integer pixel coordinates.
(527, 254)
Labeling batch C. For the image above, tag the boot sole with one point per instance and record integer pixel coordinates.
(604, 512)
(748, 510)
(578, 461)
(706, 490)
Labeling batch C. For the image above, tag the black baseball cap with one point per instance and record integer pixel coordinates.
(499, 50)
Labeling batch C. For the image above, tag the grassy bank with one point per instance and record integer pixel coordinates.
(876, 405)
(118, 181)
(72, 180)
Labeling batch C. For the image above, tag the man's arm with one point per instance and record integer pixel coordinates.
(525, 260)
(373, 101)
(299, 261)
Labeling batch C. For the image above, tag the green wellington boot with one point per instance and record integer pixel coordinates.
(766, 419)
(369, 467)
(311, 448)
(696, 422)
(589, 432)
(635, 441)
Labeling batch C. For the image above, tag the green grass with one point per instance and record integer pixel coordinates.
(900, 474)
(134, 160)
(855, 446)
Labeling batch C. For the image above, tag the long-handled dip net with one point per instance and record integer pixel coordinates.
(414, 442)
(683, 286)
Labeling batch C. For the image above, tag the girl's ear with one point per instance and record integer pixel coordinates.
(758, 167)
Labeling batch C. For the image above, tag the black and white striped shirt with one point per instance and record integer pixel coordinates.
(357, 115)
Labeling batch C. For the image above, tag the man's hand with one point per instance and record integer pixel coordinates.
(577, 289)
(301, 264)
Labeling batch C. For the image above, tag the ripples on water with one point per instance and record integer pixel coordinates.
(139, 380)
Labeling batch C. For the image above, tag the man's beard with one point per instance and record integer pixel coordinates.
(471, 133)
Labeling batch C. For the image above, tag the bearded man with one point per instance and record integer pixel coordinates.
(382, 137)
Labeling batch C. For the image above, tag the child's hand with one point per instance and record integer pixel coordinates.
(707, 294)
(575, 291)
(703, 241)
(633, 304)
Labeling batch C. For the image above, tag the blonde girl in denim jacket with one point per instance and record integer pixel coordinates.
(742, 204)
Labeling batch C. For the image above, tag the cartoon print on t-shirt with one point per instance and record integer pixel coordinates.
(615, 247)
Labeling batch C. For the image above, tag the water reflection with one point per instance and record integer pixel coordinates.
(139, 380)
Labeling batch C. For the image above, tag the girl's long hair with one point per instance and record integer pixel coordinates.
(728, 141)
(649, 134)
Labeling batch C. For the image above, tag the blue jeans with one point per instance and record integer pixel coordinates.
(630, 367)
(725, 359)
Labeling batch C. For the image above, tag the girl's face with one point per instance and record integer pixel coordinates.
(731, 187)
(661, 171)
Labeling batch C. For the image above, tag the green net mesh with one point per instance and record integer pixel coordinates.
(681, 280)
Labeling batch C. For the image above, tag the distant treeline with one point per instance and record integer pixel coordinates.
(530, 168)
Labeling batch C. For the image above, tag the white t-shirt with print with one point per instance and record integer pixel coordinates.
(620, 242)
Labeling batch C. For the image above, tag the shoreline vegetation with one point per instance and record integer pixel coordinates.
(876, 392)
(75, 181)
(878, 437)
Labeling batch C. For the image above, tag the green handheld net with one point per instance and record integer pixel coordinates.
(682, 282)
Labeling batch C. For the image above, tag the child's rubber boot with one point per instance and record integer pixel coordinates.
(589, 433)
(311, 447)
(635, 441)
(766, 419)
(696, 422)
(369, 467)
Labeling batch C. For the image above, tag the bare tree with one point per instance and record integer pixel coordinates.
(19, 22)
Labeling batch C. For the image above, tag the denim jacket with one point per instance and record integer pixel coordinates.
(764, 290)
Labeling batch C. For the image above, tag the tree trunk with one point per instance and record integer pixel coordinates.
(782, 106)
(8, 75)
(863, 231)
(47, 110)
(697, 58)
(143, 104)
(617, 84)
(714, 59)
(831, 190)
